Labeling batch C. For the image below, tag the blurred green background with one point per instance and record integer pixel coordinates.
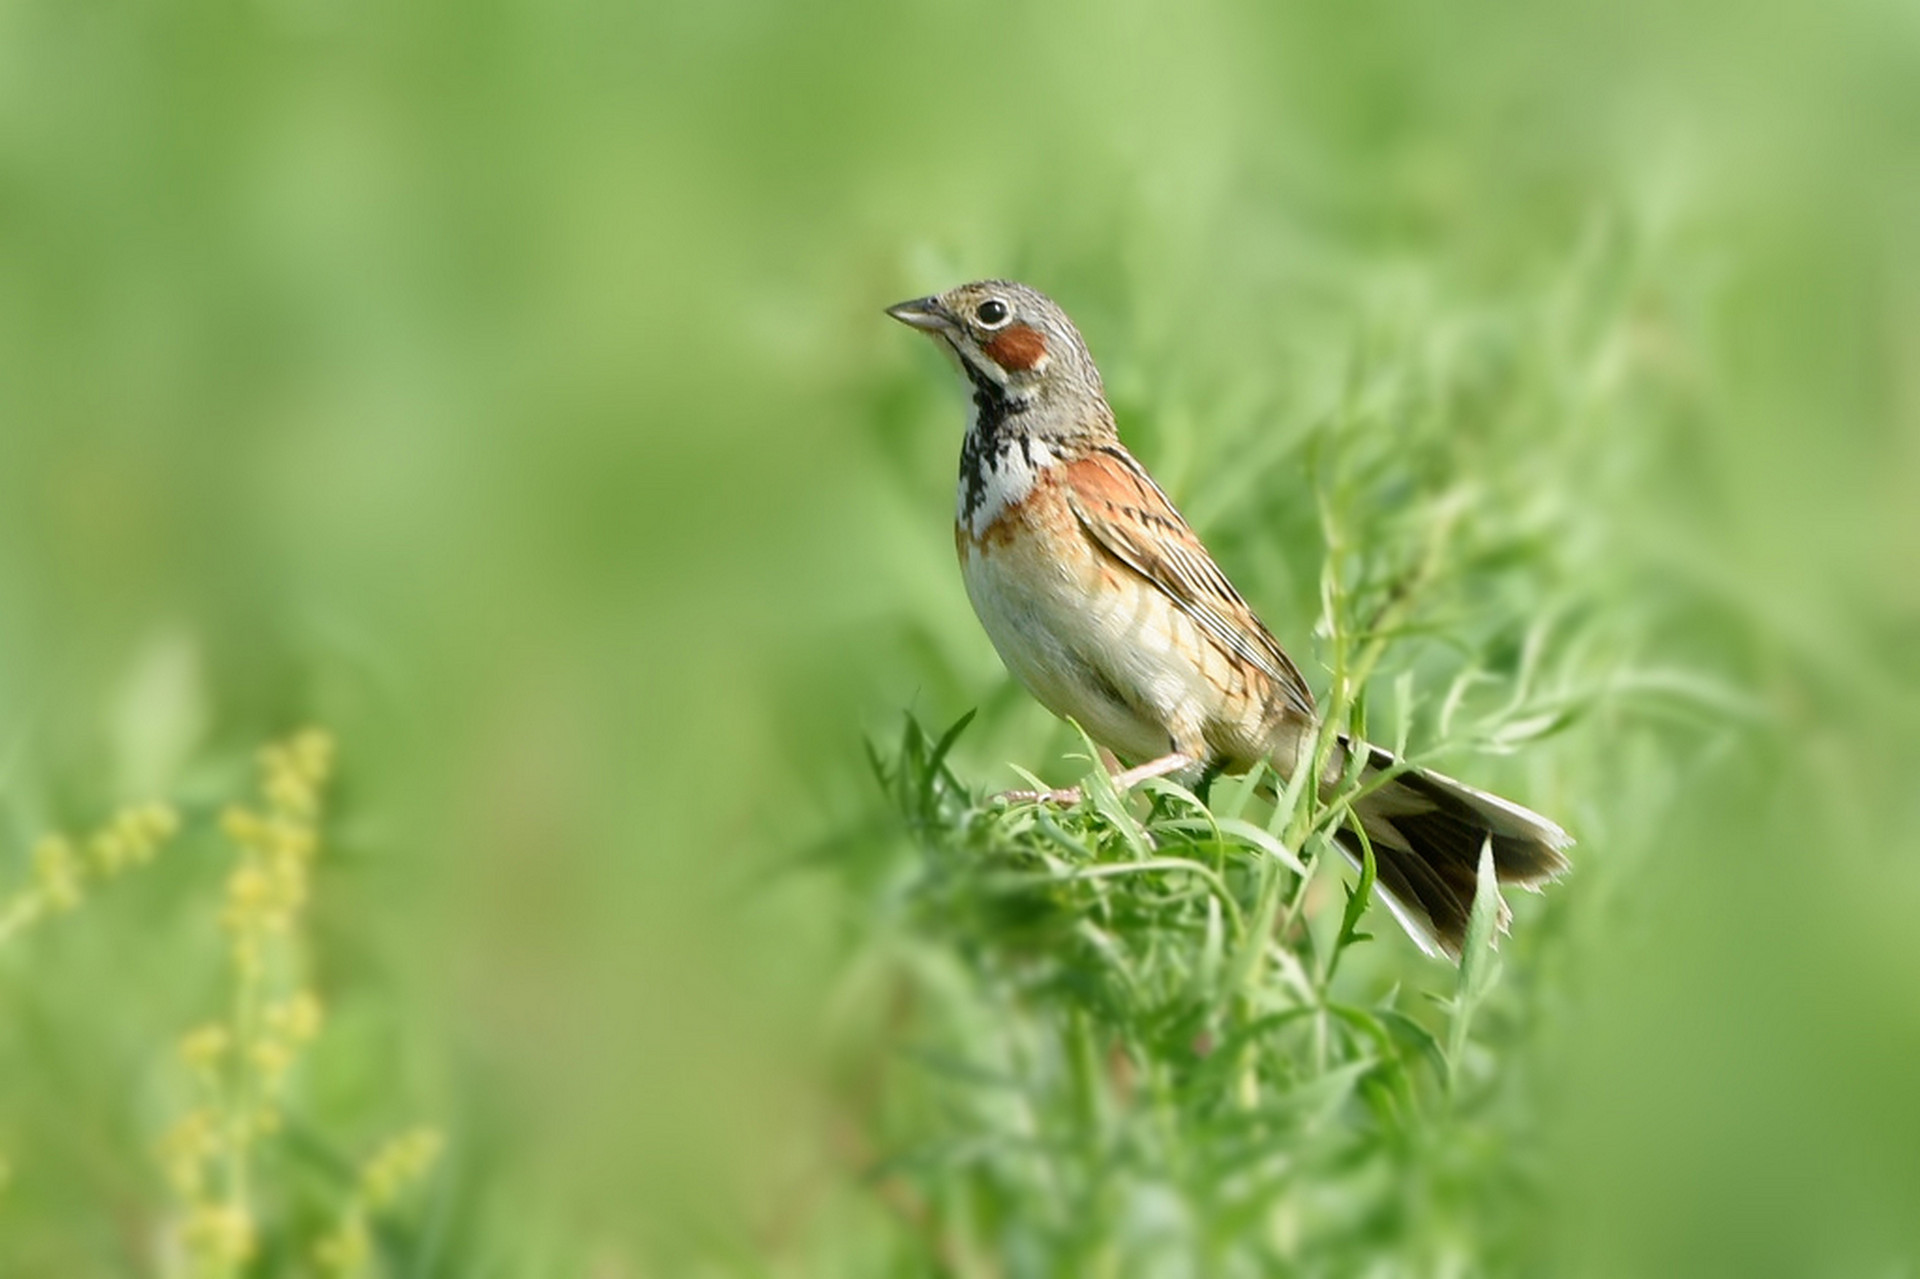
(504, 387)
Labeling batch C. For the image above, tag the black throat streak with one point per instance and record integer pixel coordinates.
(992, 436)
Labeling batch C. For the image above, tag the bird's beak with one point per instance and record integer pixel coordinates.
(922, 313)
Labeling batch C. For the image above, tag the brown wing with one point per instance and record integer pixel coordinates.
(1125, 512)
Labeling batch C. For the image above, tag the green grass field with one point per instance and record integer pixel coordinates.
(494, 750)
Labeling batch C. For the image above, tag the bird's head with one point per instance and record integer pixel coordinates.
(1014, 342)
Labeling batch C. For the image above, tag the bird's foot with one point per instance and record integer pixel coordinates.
(1122, 782)
(1066, 796)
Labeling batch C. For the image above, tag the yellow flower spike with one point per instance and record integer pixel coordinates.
(273, 1058)
(159, 821)
(56, 870)
(293, 842)
(292, 773)
(290, 878)
(203, 1048)
(187, 1148)
(215, 1161)
(292, 794)
(251, 900)
(241, 825)
(398, 1164)
(219, 1234)
(184, 1175)
(296, 1017)
(131, 837)
(312, 752)
(111, 850)
(145, 829)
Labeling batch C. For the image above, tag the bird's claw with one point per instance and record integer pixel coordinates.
(1065, 796)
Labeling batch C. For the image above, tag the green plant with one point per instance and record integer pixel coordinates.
(1157, 1034)
(241, 1066)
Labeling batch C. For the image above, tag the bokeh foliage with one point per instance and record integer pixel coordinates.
(502, 386)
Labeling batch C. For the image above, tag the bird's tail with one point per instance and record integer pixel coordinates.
(1427, 832)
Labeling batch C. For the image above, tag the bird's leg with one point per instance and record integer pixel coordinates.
(1122, 782)
(1152, 768)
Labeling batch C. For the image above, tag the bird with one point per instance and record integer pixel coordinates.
(1102, 601)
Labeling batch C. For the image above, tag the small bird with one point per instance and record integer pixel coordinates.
(1104, 604)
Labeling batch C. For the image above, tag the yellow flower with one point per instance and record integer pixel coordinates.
(187, 1147)
(274, 1059)
(57, 871)
(111, 850)
(311, 752)
(219, 1234)
(398, 1164)
(159, 821)
(293, 771)
(291, 794)
(202, 1049)
(289, 887)
(251, 900)
(297, 1017)
(242, 826)
(145, 829)
(132, 837)
(212, 1151)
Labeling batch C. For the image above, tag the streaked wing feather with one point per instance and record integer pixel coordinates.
(1126, 513)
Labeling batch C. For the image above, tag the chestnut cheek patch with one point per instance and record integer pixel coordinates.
(1018, 349)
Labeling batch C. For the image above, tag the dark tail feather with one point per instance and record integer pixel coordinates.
(1427, 832)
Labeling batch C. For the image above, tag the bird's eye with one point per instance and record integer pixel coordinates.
(992, 313)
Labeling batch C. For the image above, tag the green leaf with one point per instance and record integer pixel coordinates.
(1098, 789)
(1479, 966)
(1261, 840)
(936, 761)
(1419, 1036)
(1235, 793)
(1358, 897)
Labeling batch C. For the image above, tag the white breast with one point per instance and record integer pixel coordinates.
(1120, 662)
(1008, 474)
